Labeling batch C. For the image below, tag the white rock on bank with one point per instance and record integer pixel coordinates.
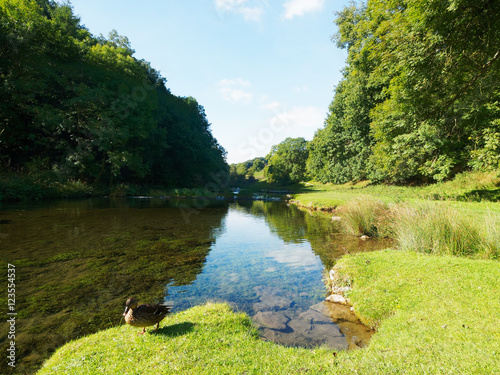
(337, 298)
(340, 289)
(332, 275)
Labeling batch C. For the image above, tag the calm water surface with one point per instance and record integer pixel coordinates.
(77, 262)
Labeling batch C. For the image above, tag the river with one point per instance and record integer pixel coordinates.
(76, 262)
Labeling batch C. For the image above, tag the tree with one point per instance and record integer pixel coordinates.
(89, 109)
(420, 92)
(287, 161)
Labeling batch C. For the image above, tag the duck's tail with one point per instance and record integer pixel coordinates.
(163, 310)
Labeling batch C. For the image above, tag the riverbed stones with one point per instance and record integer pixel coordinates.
(325, 323)
(271, 299)
(309, 329)
(272, 319)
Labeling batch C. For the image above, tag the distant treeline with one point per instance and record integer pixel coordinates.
(79, 107)
(420, 96)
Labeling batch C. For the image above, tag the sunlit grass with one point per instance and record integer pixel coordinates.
(208, 339)
(466, 187)
(434, 314)
(361, 216)
(438, 229)
(443, 218)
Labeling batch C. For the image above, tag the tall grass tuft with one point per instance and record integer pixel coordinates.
(363, 216)
(492, 234)
(437, 229)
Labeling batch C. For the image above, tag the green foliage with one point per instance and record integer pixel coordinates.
(90, 108)
(244, 172)
(287, 161)
(419, 97)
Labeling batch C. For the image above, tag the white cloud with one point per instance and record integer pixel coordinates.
(252, 14)
(235, 95)
(237, 81)
(300, 7)
(300, 118)
(233, 90)
(249, 13)
(228, 5)
(272, 106)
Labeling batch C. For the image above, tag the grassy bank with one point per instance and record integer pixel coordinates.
(435, 315)
(438, 315)
(445, 218)
(209, 339)
(467, 187)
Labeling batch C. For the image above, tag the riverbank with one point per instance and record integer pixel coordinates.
(464, 188)
(433, 314)
(459, 217)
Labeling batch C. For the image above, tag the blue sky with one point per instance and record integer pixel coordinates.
(264, 70)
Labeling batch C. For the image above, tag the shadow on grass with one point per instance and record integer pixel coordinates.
(492, 195)
(176, 329)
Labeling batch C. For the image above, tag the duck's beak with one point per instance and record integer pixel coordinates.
(126, 311)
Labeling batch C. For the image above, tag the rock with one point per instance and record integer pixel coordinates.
(271, 319)
(337, 298)
(364, 237)
(321, 308)
(272, 303)
(332, 274)
(336, 218)
(340, 289)
(271, 299)
(314, 317)
(309, 333)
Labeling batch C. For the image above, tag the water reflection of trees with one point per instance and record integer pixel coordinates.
(293, 225)
(77, 264)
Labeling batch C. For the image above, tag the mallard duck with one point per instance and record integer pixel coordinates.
(144, 315)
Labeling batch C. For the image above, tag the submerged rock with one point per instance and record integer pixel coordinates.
(271, 299)
(272, 319)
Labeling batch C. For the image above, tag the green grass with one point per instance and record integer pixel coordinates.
(208, 339)
(439, 229)
(434, 315)
(361, 216)
(467, 187)
(434, 219)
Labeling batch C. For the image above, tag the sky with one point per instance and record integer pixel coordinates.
(263, 70)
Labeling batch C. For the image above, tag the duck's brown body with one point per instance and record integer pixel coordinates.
(144, 315)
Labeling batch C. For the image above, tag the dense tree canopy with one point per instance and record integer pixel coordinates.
(419, 100)
(83, 107)
(287, 161)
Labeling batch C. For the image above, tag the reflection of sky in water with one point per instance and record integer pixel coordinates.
(247, 254)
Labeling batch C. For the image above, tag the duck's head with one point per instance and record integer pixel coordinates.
(130, 304)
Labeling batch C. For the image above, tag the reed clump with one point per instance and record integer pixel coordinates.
(363, 216)
(426, 227)
(436, 229)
